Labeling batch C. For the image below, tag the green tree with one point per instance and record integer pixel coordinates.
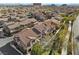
(37, 49)
(65, 19)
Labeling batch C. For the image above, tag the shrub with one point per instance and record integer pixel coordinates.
(37, 49)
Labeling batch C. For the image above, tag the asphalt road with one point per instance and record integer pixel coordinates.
(5, 48)
(75, 31)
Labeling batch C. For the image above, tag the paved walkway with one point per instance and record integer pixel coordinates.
(65, 43)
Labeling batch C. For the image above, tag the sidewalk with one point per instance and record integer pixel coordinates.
(13, 46)
(65, 43)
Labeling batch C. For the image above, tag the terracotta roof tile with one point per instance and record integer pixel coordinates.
(26, 35)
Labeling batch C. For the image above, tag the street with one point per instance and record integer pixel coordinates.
(5, 48)
(75, 31)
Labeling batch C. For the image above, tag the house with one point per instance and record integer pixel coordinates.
(4, 19)
(13, 26)
(25, 39)
(36, 4)
(9, 23)
(39, 16)
(27, 21)
(46, 26)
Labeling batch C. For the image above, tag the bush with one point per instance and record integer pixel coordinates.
(37, 49)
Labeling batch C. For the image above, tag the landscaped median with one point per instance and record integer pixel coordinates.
(66, 41)
(58, 41)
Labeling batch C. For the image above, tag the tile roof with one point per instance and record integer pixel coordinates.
(26, 35)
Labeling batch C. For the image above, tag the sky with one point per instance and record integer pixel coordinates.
(40, 1)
